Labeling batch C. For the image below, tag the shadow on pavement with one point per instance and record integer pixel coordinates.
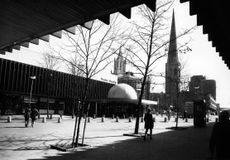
(188, 144)
(15, 127)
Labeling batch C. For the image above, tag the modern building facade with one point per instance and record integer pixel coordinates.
(200, 87)
(21, 84)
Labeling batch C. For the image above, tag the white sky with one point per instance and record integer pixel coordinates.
(202, 60)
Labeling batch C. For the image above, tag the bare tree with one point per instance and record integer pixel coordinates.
(148, 42)
(71, 67)
(90, 51)
(51, 63)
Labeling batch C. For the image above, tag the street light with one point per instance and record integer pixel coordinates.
(31, 88)
(50, 75)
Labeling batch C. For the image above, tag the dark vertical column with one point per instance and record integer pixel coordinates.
(1, 72)
(13, 76)
(37, 79)
(57, 83)
(24, 75)
(22, 72)
(41, 77)
(17, 76)
(7, 76)
(28, 80)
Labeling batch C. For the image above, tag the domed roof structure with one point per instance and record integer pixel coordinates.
(122, 91)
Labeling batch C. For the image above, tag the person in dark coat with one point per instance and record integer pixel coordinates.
(27, 116)
(220, 138)
(33, 115)
(148, 123)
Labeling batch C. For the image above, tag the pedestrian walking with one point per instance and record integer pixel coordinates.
(185, 114)
(27, 116)
(33, 115)
(219, 140)
(148, 123)
(169, 114)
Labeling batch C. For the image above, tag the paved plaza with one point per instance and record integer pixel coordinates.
(105, 140)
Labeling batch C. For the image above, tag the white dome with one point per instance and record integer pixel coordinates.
(122, 91)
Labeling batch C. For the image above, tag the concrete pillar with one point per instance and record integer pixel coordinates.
(59, 119)
(130, 119)
(186, 119)
(88, 119)
(9, 119)
(102, 119)
(117, 119)
(96, 109)
(43, 119)
(123, 116)
(142, 119)
(60, 115)
(165, 119)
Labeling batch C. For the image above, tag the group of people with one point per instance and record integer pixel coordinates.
(30, 114)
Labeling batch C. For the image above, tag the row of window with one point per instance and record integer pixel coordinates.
(16, 77)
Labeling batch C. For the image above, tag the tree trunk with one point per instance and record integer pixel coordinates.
(143, 82)
(83, 105)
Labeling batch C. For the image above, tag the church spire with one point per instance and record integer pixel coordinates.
(172, 67)
(172, 53)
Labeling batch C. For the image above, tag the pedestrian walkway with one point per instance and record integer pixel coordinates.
(105, 140)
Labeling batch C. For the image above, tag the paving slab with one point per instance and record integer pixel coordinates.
(104, 140)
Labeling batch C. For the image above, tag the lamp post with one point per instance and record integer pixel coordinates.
(50, 75)
(31, 88)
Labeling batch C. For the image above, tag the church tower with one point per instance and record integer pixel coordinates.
(172, 68)
(119, 64)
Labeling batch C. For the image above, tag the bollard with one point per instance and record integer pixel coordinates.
(60, 115)
(165, 119)
(142, 119)
(9, 119)
(112, 116)
(130, 119)
(39, 116)
(51, 116)
(102, 119)
(123, 116)
(59, 119)
(88, 119)
(117, 119)
(43, 119)
(186, 119)
(94, 116)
